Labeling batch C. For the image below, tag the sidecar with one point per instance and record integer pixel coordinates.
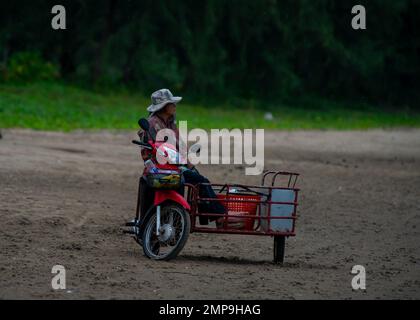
(266, 210)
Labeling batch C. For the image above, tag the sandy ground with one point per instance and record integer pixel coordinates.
(63, 198)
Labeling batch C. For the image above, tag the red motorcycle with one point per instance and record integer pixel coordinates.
(162, 223)
(165, 216)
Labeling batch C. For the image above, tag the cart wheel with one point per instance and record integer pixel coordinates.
(279, 244)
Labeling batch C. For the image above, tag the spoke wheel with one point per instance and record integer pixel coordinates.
(173, 233)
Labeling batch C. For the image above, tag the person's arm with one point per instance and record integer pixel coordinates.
(181, 144)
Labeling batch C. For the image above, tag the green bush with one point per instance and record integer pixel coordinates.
(29, 66)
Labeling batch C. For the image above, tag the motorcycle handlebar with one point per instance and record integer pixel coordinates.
(142, 144)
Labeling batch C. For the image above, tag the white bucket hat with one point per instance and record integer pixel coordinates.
(161, 98)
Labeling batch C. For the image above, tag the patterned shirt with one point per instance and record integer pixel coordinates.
(157, 123)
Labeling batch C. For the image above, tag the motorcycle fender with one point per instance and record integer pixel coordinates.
(160, 197)
(163, 195)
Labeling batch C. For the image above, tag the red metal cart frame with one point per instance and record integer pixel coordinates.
(265, 201)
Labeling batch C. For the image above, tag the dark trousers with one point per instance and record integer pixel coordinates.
(205, 191)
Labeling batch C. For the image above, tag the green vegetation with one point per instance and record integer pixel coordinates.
(276, 50)
(58, 106)
(233, 61)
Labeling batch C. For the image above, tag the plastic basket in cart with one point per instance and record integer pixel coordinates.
(238, 204)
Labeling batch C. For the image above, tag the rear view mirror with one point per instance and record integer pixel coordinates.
(144, 124)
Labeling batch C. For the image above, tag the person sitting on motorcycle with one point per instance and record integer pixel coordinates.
(162, 116)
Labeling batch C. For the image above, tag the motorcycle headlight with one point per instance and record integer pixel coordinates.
(173, 157)
(170, 155)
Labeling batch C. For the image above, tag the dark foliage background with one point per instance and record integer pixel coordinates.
(263, 50)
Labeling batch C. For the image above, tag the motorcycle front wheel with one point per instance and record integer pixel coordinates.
(173, 233)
